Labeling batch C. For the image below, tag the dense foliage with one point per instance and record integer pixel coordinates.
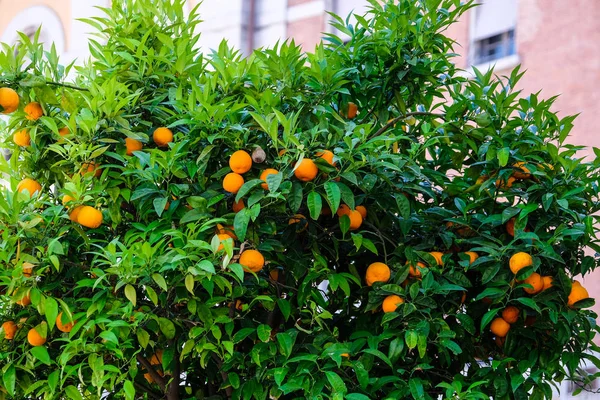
(130, 272)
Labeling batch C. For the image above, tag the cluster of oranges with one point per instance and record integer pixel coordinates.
(535, 283)
(161, 136)
(34, 337)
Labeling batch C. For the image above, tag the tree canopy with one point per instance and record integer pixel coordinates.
(358, 222)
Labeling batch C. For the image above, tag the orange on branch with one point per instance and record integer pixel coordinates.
(162, 136)
(326, 155)
(27, 269)
(233, 182)
(472, 256)
(63, 327)
(9, 100)
(536, 281)
(306, 170)
(362, 210)
(300, 220)
(89, 217)
(33, 111)
(22, 138)
(238, 206)
(377, 272)
(414, 270)
(521, 171)
(132, 145)
(438, 257)
(252, 260)
(548, 280)
(222, 237)
(30, 186)
(391, 303)
(240, 162)
(34, 338)
(10, 329)
(577, 293)
(518, 261)
(511, 314)
(264, 174)
(499, 327)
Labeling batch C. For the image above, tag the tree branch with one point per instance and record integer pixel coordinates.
(395, 120)
(66, 85)
(157, 378)
(146, 389)
(173, 387)
(224, 375)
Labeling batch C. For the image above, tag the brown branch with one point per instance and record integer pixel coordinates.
(66, 85)
(224, 374)
(401, 117)
(173, 387)
(157, 378)
(146, 389)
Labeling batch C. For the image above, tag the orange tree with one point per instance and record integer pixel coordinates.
(359, 222)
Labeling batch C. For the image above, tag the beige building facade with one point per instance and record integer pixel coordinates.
(556, 41)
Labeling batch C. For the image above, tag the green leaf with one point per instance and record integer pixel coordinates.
(41, 353)
(273, 181)
(247, 187)
(503, 155)
(529, 303)
(160, 281)
(130, 294)
(189, 283)
(238, 270)
(487, 318)
(357, 396)
(240, 223)
(264, 332)
(295, 197)
(159, 205)
(73, 393)
(411, 337)
(9, 378)
(129, 390)
(285, 308)
(167, 327)
(336, 382)
(51, 311)
(347, 195)
(403, 206)
(416, 388)
(315, 204)
(279, 375)
(143, 337)
(333, 196)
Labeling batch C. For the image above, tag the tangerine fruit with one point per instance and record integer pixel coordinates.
(500, 327)
(33, 111)
(132, 145)
(162, 136)
(519, 261)
(306, 170)
(536, 281)
(326, 155)
(264, 174)
(34, 338)
(22, 138)
(233, 182)
(391, 303)
(511, 314)
(9, 100)
(252, 260)
(240, 162)
(377, 272)
(30, 186)
(9, 328)
(89, 217)
(63, 327)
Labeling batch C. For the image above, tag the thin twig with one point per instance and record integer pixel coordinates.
(146, 389)
(397, 119)
(67, 86)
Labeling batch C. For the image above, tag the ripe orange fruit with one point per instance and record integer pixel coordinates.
(306, 170)
(30, 186)
(66, 198)
(33, 111)
(238, 206)
(352, 110)
(347, 355)
(505, 184)
(326, 155)
(27, 269)
(521, 171)
(222, 237)
(73, 215)
(536, 281)
(227, 230)
(519, 261)
(162, 136)
(9, 328)
(578, 293)
(463, 298)
(89, 167)
(511, 314)
(132, 145)
(547, 279)
(64, 131)
(377, 272)
(252, 260)
(89, 217)
(499, 327)
(438, 257)
(157, 357)
(300, 220)
(343, 210)
(264, 174)
(510, 227)
(414, 269)
(355, 220)
(25, 301)
(391, 303)
(274, 274)
(63, 327)
(362, 210)
(233, 182)
(9, 100)
(472, 256)
(22, 138)
(240, 162)
(34, 338)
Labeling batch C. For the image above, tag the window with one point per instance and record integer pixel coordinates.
(495, 47)
(493, 30)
